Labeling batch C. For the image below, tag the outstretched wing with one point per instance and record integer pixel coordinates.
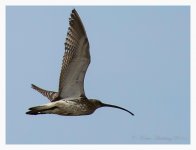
(51, 95)
(75, 60)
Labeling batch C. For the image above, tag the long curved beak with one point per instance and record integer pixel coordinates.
(114, 106)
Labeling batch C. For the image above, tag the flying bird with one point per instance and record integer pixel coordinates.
(70, 100)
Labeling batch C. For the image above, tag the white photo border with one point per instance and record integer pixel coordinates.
(4, 3)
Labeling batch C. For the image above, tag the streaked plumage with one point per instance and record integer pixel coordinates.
(70, 100)
(51, 95)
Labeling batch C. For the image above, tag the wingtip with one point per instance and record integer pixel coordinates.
(33, 86)
(74, 10)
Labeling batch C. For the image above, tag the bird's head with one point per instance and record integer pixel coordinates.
(98, 104)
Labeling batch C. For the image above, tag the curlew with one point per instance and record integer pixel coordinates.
(70, 100)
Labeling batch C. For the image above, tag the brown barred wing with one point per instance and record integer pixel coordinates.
(75, 60)
(52, 96)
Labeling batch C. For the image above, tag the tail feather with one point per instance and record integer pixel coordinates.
(31, 112)
(52, 96)
(40, 110)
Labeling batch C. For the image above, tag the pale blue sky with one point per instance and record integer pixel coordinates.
(140, 61)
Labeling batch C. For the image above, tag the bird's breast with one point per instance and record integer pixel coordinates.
(74, 107)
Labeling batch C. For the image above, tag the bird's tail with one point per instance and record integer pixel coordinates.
(44, 109)
(52, 96)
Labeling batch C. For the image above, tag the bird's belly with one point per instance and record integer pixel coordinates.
(72, 108)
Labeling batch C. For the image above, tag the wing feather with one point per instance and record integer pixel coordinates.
(75, 60)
